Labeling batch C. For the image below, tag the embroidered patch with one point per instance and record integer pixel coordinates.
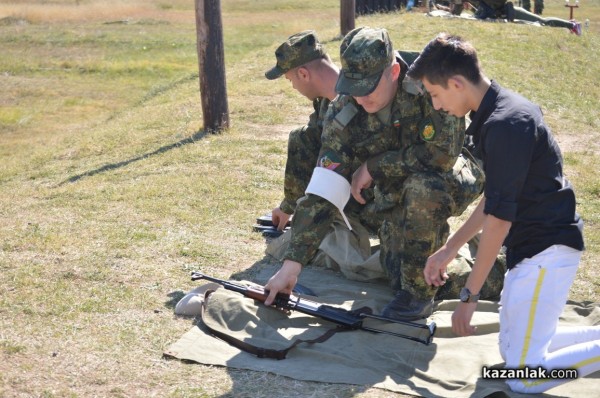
(327, 163)
(428, 132)
(396, 123)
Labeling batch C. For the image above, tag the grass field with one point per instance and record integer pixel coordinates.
(111, 193)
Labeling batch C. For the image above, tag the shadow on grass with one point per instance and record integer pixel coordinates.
(174, 298)
(113, 166)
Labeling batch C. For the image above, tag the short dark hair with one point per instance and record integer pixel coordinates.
(446, 56)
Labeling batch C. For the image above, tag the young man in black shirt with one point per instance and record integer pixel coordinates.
(528, 206)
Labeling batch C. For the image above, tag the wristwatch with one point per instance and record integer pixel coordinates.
(467, 297)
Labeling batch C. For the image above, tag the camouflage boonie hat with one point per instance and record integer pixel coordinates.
(365, 53)
(296, 51)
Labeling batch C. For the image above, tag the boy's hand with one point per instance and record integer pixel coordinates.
(461, 319)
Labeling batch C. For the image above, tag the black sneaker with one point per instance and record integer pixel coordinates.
(576, 27)
(406, 307)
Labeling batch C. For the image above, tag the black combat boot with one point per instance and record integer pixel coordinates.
(510, 11)
(406, 307)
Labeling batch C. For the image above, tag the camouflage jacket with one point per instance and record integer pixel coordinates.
(418, 139)
(303, 148)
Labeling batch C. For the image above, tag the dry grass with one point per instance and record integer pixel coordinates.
(111, 194)
(92, 11)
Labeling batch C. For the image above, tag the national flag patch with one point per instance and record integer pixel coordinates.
(327, 163)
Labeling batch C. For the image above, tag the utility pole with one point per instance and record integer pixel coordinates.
(211, 65)
(347, 15)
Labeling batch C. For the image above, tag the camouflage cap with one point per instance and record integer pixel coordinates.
(296, 51)
(365, 53)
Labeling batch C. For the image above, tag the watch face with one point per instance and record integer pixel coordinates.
(464, 295)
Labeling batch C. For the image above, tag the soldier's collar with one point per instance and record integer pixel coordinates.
(403, 66)
(385, 114)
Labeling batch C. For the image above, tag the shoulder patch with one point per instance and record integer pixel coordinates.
(427, 130)
(329, 161)
(344, 116)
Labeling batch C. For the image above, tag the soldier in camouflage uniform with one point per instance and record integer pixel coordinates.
(538, 6)
(496, 9)
(303, 61)
(384, 130)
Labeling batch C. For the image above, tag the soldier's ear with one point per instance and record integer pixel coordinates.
(395, 72)
(303, 73)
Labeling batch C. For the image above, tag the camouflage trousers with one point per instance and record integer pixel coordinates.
(412, 229)
(460, 268)
(414, 225)
(350, 253)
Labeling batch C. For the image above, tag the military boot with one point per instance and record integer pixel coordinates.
(510, 11)
(406, 307)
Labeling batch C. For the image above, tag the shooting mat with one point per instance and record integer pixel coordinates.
(449, 367)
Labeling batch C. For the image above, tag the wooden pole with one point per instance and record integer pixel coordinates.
(211, 65)
(571, 6)
(347, 15)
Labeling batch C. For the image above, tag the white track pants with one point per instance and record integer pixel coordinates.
(533, 297)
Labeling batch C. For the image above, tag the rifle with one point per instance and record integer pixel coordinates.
(348, 320)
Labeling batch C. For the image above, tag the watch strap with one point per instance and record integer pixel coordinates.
(470, 297)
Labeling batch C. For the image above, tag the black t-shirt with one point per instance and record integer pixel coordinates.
(524, 176)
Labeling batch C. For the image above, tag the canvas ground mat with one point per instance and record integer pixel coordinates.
(449, 367)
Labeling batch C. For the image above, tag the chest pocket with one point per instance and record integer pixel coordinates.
(408, 116)
(373, 138)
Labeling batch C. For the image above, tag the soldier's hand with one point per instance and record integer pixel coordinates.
(283, 281)
(361, 179)
(279, 218)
